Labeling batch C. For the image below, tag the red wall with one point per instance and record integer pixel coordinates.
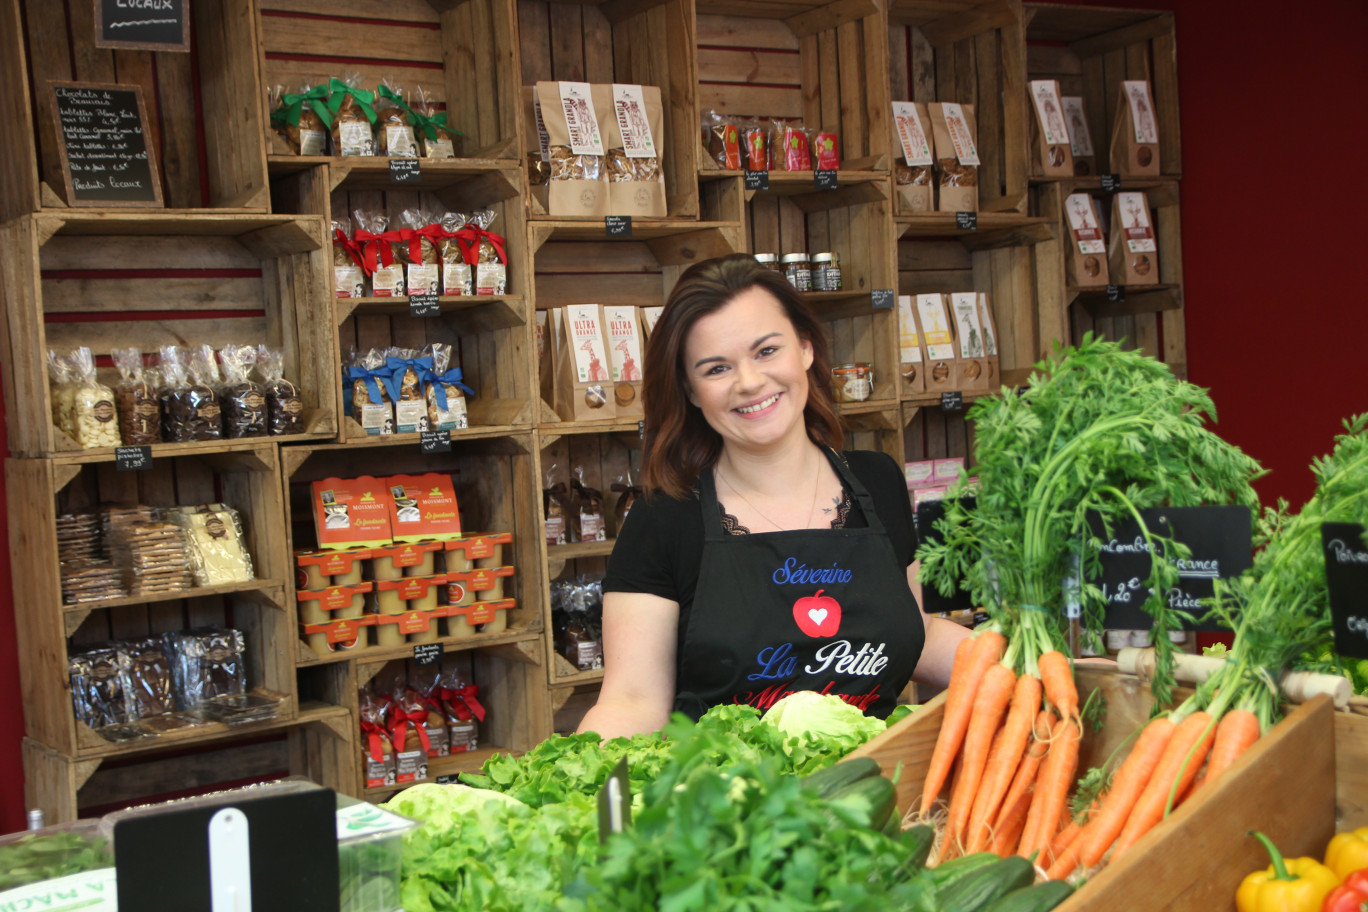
(1263, 245)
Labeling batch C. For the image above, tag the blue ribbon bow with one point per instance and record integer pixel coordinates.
(439, 382)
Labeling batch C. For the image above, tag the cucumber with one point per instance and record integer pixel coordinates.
(1039, 898)
(947, 872)
(829, 781)
(982, 888)
(917, 841)
(878, 792)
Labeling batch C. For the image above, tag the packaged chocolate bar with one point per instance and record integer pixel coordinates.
(97, 691)
(216, 544)
(722, 139)
(354, 117)
(135, 400)
(93, 415)
(393, 132)
(242, 399)
(145, 669)
(284, 407)
(206, 662)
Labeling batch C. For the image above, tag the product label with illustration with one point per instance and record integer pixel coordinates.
(909, 343)
(965, 307)
(1083, 223)
(629, 106)
(423, 507)
(1142, 111)
(958, 126)
(580, 120)
(985, 315)
(916, 148)
(1080, 140)
(351, 511)
(1050, 111)
(935, 327)
(1135, 222)
(624, 343)
(586, 339)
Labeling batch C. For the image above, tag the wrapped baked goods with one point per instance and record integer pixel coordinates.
(586, 510)
(460, 705)
(97, 690)
(394, 133)
(457, 276)
(349, 268)
(577, 621)
(215, 544)
(61, 392)
(789, 140)
(419, 251)
(578, 183)
(206, 663)
(488, 257)
(756, 145)
(377, 751)
(242, 399)
(353, 119)
(380, 250)
(284, 407)
(151, 554)
(135, 400)
(435, 138)
(404, 383)
(302, 118)
(445, 391)
(555, 508)
(722, 139)
(370, 402)
(93, 415)
(145, 671)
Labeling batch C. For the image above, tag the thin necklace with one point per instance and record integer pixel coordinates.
(816, 483)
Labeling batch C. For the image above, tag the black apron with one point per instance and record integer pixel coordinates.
(827, 610)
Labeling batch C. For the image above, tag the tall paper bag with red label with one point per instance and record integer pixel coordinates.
(1135, 132)
(1054, 153)
(912, 360)
(941, 375)
(912, 170)
(625, 358)
(351, 513)
(1086, 257)
(1134, 251)
(957, 158)
(423, 507)
(584, 389)
(973, 363)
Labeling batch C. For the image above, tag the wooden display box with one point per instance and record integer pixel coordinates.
(1092, 50)
(635, 43)
(931, 432)
(463, 54)
(114, 280)
(969, 52)
(195, 103)
(243, 475)
(1297, 757)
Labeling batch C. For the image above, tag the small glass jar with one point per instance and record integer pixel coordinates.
(853, 382)
(798, 271)
(826, 272)
(769, 260)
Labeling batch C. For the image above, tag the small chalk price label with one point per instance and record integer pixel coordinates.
(825, 179)
(133, 458)
(757, 180)
(966, 221)
(618, 225)
(424, 304)
(427, 653)
(454, 779)
(641, 430)
(952, 401)
(882, 299)
(405, 170)
(1116, 293)
(1111, 183)
(435, 441)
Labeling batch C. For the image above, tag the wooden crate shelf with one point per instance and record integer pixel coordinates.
(577, 550)
(480, 312)
(461, 183)
(525, 631)
(1136, 300)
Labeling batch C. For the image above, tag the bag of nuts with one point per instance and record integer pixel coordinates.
(394, 133)
(302, 118)
(957, 158)
(284, 407)
(353, 123)
(243, 399)
(92, 404)
(457, 277)
(135, 400)
(380, 250)
(61, 392)
(633, 122)
(579, 182)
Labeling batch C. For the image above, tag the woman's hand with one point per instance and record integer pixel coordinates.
(639, 634)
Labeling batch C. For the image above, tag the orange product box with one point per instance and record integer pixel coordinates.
(351, 512)
(321, 569)
(344, 633)
(408, 559)
(423, 507)
(411, 622)
(472, 551)
(319, 606)
(478, 582)
(409, 593)
(462, 619)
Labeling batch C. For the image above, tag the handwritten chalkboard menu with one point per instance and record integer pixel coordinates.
(149, 25)
(101, 141)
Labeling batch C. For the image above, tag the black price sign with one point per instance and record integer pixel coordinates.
(1346, 574)
(757, 180)
(882, 299)
(133, 458)
(427, 653)
(1222, 546)
(825, 179)
(453, 779)
(966, 221)
(618, 225)
(424, 304)
(160, 26)
(953, 401)
(1116, 293)
(435, 441)
(405, 170)
(102, 145)
(930, 512)
(641, 430)
(1111, 183)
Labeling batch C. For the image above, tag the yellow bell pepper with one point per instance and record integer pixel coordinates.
(1348, 852)
(1287, 885)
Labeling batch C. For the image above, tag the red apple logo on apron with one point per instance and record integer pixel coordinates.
(818, 615)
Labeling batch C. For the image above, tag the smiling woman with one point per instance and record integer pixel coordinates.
(744, 474)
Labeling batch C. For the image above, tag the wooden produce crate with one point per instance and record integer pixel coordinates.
(969, 52)
(1196, 859)
(204, 132)
(1351, 769)
(243, 475)
(1091, 50)
(112, 280)
(636, 43)
(461, 52)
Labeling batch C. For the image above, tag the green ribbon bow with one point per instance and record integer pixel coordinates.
(292, 106)
(428, 125)
(365, 100)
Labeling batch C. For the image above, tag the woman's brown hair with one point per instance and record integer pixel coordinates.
(679, 442)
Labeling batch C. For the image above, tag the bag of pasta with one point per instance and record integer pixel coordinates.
(284, 407)
(301, 117)
(457, 276)
(353, 124)
(419, 251)
(579, 184)
(135, 400)
(445, 391)
(349, 267)
(92, 404)
(393, 134)
(632, 125)
(435, 139)
(242, 399)
(380, 250)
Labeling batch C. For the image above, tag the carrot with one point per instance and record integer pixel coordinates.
(1030, 764)
(990, 702)
(1130, 780)
(1178, 765)
(997, 775)
(980, 798)
(1066, 861)
(1009, 825)
(1057, 677)
(1056, 778)
(972, 659)
(1065, 837)
(1237, 731)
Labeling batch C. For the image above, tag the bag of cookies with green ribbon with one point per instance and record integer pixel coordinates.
(353, 116)
(394, 132)
(301, 119)
(436, 139)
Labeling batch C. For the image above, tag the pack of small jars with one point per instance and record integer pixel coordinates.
(806, 272)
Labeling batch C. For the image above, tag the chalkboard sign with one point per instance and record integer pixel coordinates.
(824, 179)
(757, 180)
(149, 25)
(882, 299)
(929, 512)
(1346, 574)
(1111, 183)
(952, 401)
(1116, 293)
(435, 442)
(966, 221)
(405, 170)
(425, 304)
(101, 142)
(618, 225)
(1222, 546)
(132, 458)
(427, 653)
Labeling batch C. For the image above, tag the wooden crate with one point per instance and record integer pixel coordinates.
(243, 475)
(969, 52)
(637, 43)
(463, 53)
(114, 280)
(1351, 770)
(207, 141)
(1297, 757)
(1091, 50)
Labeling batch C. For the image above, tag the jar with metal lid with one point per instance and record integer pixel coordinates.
(826, 272)
(853, 382)
(797, 271)
(769, 260)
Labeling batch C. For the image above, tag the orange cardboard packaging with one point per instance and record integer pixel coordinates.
(957, 158)
(1134, 251)
(913, 172)
(1135, 132)
(1051, 130)
(351, 513)
(583, 370)
(912, 359)
(1080, 137)
(941, 372)
(1086, 259)
(423, 507)
(624, 356)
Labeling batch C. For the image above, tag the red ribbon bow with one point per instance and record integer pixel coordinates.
(469, 239)
(463, 703)
(414, 238)
(375, 734)
(373, 243)
(401, 719)
(353, 249)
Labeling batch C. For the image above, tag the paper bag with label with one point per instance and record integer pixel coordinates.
(973, 362)
(537, 150)
(1135, 132)
(957, 158)
(1080, 137)
(578, 183)
(990, 346)
(912, 361)
(546, 348)
(632, 124)
(1086, 256)
(422, 507)
(912, 170)
(350, 513)
(1050, 130)
(941, 365)
(624, 354)
(1134, 252)
(584, 389)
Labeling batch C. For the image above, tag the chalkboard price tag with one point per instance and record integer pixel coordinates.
(101, 138)
(1111, 183)
(618, 225)
(435, 441)
(1346, 575)
(424, 304)
(825, 179)
(1116, 293)
(453, 779)
(641, 430)
(952, 401)
(882, 299)
(427, 653)
(133, 458)
(757, 180)
(405, 170)
(966, 221)
(160, 26)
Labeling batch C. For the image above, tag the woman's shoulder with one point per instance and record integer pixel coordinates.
(873, 466)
